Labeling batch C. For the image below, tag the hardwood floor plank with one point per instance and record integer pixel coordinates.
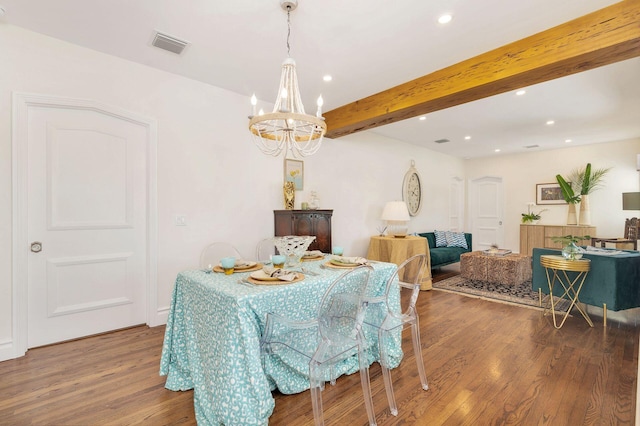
(486, 363)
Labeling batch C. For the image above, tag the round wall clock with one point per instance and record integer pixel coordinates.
(412, 190)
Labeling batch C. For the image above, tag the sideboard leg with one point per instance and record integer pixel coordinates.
(604, 314)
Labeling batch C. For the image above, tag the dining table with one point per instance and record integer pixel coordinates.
(213, 331)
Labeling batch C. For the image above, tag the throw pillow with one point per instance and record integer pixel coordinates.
(441, 238)
(456, 239)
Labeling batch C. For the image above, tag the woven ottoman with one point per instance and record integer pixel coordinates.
(512, 269)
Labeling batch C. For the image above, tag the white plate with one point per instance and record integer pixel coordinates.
(245, 264)
(262, 276)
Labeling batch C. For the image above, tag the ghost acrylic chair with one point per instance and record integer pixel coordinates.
(407, 278)
(264, 249)
(212, 254)
(329, 339)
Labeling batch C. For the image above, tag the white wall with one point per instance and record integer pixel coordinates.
(522, 172)
(208, 168)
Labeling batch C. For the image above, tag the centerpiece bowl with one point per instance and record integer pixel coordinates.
(293, 247)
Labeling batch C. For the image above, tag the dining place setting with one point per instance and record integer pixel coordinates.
(286, 268)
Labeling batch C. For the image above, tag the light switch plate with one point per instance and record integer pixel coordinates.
(181, 220)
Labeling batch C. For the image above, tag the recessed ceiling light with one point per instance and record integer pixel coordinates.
(422, 118)
(466, 138)
(327, 78)
(496, 150)
(567, 140)
(521, 92)
(550, 122)
(445, 19)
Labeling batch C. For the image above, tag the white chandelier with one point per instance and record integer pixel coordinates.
(288, 127)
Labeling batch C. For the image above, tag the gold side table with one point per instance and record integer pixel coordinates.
(556, 268)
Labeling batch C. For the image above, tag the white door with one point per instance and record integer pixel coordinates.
(486, 206)
(87, 186)
(456, 204)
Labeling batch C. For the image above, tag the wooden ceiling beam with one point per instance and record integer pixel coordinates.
(600, 38)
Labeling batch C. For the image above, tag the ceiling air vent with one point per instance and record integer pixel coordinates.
(442, 141)
(532, 146)
(170, 43)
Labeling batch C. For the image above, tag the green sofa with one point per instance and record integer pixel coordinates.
(441, 256)
(614, 280)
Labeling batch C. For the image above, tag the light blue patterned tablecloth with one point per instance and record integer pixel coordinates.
(212, 341)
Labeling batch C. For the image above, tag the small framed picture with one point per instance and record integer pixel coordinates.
(294, 172)
(549, 193)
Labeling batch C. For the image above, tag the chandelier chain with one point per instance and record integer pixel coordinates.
(288, 30)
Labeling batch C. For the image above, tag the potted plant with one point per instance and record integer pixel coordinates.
(570, 249)
(531, 216)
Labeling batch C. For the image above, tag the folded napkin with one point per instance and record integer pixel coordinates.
(313, 253)
(241, 262)
(352, 260)
(280, 274)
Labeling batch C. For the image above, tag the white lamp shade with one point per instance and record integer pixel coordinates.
(396, 211)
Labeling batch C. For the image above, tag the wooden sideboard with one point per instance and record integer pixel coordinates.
(305, 222)
(540, 235)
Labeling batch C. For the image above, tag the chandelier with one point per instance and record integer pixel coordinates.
(288, 127)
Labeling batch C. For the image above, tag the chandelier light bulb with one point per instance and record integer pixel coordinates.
(320, 102)
(254, 102)
(261, 112)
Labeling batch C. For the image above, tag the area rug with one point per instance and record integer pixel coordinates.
(520, 295)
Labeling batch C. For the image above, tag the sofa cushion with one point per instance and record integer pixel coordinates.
(456, 239)
(445, 255)
(441, 238)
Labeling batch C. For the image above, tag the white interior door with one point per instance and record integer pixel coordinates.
(87, 186)
(456, 204)
(486, 206)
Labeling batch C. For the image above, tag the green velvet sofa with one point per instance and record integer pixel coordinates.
(614, 280)
(441, 256)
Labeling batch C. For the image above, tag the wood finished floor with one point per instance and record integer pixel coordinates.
(487, 363)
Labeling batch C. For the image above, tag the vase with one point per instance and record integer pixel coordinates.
(571, 215)
(314, 201)
(289, 192)
(572, 252)
(585, 211)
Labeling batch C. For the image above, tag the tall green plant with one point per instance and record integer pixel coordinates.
(567, 191)
(588, 180)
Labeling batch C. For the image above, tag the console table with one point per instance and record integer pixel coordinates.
(541, 235)
(397, 250)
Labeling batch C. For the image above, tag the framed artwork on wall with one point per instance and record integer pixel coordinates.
(294, 172)
(549, 193)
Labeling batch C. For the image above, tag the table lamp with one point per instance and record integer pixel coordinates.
(397, 215)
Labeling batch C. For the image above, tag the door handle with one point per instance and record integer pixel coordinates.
(36, 246)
